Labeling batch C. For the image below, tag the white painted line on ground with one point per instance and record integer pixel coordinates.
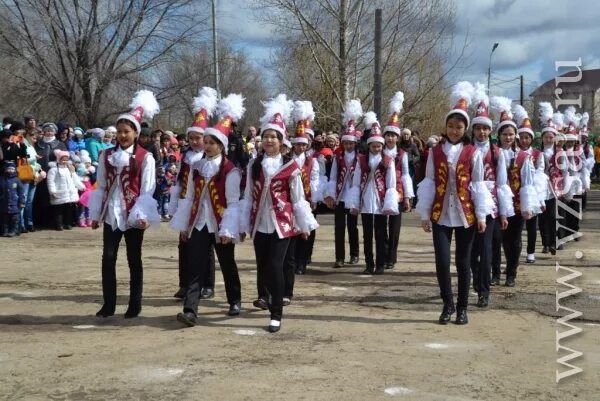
(243, 332)
(84, 326)
(397, 391)
(339, 289)
(437, 346)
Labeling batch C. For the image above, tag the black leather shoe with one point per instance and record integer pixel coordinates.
(353, 260)
(482, 301)
(510, 282)
(545, 249)
(299, 271)
(234, 309)
(261, 304)
(368, 270)
(388, 266)
(461, 316)
(552, 250)
(273, 328)
(207, 293)
(132, 311)
(287, 301)
(105, 311)
(379, 270)
(495, 281)
(338, 264)
(187, 318)
(447, 312)
(180, 293)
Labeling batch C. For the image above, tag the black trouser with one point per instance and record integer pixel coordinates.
(199, 248)
(270, 253)
(10, 223)
(547, 224)
(482, 256)
(583, 200)
(531, 227)
(289, 266)
(512, 244)
(303, 251)
(183, 260)
(442, 237)
(392, 236)
(42, 212)
(63, 215)
(497, 248)
(376, 223)
(311, 241)
(343, 219)
(133, 245)
(572, 219)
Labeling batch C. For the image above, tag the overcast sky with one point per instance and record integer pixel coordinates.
(532, 36)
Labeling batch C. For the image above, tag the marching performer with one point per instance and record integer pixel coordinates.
(210, 213)
(576, 181)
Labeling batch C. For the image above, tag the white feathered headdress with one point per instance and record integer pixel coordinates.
(396, 104)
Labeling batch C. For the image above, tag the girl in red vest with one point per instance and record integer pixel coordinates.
(343, 166)
(520, 173)
(204, 105)
(404, 183)
(274, 206)
(374, 195)
(210, 214)
(123, 201)
(453, 199)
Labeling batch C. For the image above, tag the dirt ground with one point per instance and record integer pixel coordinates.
(345, 337)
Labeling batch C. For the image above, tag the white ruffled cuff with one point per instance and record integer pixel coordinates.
(426, 195)
(529, 199)
(540, 181)
(305, 220)
(174, 202)
(245, 211)
(407, 184)
(506, 205)
(181, 218)
(352, 200)
(390, 201)
(585, 179)
(145, 208)
(330, 189)
(482, 199)
(230, 222)
(316, 191)
(95, 204)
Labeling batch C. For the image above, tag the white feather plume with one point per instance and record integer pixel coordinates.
(571, 116)
(480, 95)
(147, 101)
(501, 104)
(231, 106)
(462, 90)
(353, 111)
(370, 119)
(279, 104)
(559, 119)
(585, 119)
(397, 102)
(520, 114)
(303, 110)
(546, 111)
(207, 100)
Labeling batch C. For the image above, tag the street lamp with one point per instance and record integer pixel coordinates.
(490, 67)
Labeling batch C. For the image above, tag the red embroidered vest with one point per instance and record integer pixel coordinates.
(398, 166)
(555, 173)
(343, 172)
(182, 178)
(514, 178)
(378, 175)
(463, 179)
(306, 171)
(279, 191)
(130, 177)
(216, 193)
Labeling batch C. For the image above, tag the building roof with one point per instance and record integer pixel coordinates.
(590, 81)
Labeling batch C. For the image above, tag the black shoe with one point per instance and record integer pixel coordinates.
(338, 264)
(187, 318)
(300, 270)
(552, 250)
(105, 311)
(59, 228)
(207, 293)
(510, 282)
(368, 270)
(353, 260)
(482, 301)
(274, 328)
(180, 294)
(388, 266)
(234, 309)
(461, 316)
(261, 303)
(447, 312)
(309, 261)
(495, 281)
(545, 249)
(132, 311)
(67, 227)
(560, 247)
(379, 270)
(31, 229)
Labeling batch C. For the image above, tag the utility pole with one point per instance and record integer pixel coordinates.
(490, 69)
(377, 72)
(215, 50)
(521, 90)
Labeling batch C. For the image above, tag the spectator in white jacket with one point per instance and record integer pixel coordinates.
(63, 184)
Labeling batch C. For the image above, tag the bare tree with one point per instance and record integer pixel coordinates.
(75, 53)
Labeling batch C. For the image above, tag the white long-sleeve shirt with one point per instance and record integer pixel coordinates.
(407, 182)
(370, 202)
(315, 188)
(191, 157)
(330, 191)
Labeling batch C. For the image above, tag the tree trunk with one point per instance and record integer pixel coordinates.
(344, 84)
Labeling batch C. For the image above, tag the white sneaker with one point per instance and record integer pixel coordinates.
(530, 258)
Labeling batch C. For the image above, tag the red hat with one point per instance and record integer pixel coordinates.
(572, 121)
(372, 123)
(522, 118)
(303, 116)
(144, 104)
(352, 112)
(277, 112)
(396, 103)
(204, 106)
(501, 106)
(482, 104)
(230, 110)
(460, 99)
